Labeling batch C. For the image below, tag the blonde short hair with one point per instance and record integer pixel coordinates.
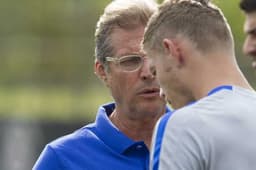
(198, 20)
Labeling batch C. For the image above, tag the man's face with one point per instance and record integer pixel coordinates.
(249, 47)
(169, 74)
(133, 91)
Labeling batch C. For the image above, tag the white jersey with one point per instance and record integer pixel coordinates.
(217, 132)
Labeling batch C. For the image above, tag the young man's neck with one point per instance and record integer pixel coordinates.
(232, 77)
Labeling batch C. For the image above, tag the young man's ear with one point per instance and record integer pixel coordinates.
(172, 48)
(100, 71)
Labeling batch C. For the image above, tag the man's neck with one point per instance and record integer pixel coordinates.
(234, 77)
(136, 129)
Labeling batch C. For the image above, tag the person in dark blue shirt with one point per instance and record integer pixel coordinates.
(120, 137)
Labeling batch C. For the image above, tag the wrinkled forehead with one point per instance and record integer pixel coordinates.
(126, 42)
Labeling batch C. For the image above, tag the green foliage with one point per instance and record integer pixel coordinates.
(47, 56)
(56, 103)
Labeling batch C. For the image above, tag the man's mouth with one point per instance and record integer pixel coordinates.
(150, 92)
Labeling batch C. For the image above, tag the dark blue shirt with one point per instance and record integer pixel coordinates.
(97, 146)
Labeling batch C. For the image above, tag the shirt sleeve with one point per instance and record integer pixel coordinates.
(47, 160)
(157, 141)
(182, 146)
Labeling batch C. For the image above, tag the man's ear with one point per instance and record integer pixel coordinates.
(173, 49)
(100, 71)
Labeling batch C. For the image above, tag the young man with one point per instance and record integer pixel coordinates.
(249, 8)
(191, 47)
(120, 137)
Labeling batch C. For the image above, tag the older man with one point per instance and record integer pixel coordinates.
(120, 137)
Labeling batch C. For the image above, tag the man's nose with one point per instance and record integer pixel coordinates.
(148, 70)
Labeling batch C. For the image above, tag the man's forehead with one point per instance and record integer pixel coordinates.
(127, 42)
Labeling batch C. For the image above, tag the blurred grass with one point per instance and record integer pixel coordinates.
(56, 103)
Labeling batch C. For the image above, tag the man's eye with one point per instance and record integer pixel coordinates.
(131, 61)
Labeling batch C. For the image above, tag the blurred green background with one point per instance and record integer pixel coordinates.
(47, 57)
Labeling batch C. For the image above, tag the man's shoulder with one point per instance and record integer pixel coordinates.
(214, 107)
(193, 115)
(71, 150)
(85, 135)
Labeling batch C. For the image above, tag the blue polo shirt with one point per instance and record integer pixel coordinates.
(97, 146)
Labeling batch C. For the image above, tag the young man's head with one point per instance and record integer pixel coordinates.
(201, 22)
(249, 48)
(120, 62)
(186, 39)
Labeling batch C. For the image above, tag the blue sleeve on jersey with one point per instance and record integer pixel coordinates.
(158, 139)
